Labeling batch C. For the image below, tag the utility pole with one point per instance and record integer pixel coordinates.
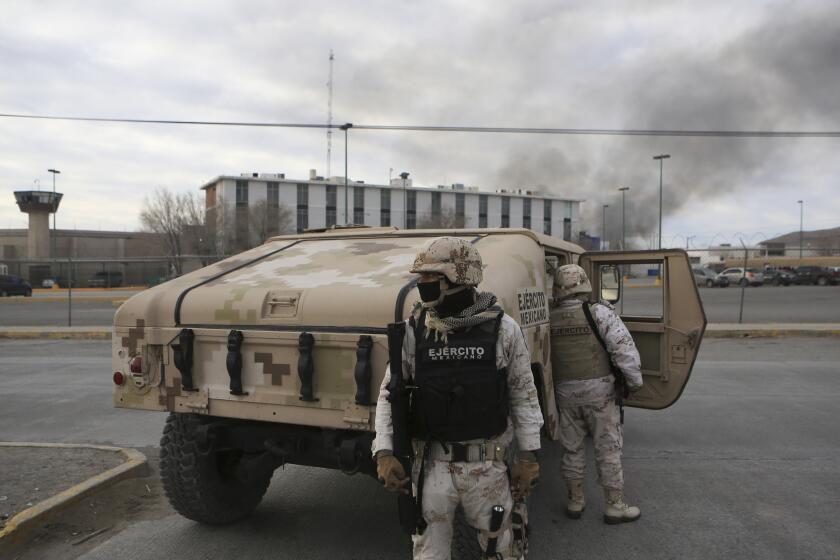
(54, 173)
(404, 176)
(604, 227)
(623, 191)
(801, 224)
(329, 114)
(660, 157)
(345, 127)
(688, 239)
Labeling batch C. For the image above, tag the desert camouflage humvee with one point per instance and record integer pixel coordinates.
(276, 355)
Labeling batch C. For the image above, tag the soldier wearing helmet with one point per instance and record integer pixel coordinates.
(474, 392)
(590, 346)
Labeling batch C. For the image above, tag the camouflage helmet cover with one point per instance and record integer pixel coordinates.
(453, 257)
(570, 280)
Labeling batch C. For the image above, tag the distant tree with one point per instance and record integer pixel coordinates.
(180, 220)
(446, 219)
(267, 220)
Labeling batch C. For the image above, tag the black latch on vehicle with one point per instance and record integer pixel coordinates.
(234, 362)
(362, 373)
(306, 366)
(183, 356)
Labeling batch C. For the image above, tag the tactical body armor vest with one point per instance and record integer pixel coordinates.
(575, 350)
(460, 394)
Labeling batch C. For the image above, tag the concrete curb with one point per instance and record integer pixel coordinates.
(32, 517)
(55, 299)
(715, 330)
(771, 331)
(56, 333)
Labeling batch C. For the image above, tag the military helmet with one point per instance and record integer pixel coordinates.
(570, 280)
(453, 257)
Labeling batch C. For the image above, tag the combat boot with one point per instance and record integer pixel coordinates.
(577, 501)
(616, 510)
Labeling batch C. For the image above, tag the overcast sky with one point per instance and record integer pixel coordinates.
(666, 65)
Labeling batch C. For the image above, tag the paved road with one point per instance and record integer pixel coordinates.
(793, 304)
(745, 465)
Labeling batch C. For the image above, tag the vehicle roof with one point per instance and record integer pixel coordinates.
(364, 231)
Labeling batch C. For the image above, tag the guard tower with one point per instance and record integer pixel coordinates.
(39, 205)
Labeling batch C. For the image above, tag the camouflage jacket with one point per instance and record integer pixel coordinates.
(622, 352)
(512, 353)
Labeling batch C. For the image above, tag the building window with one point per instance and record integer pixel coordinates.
(358, 205)
(302, 207)
(435, 204)
(411, 210)
(272, 215)
(459, 209)
(331, 206)
(273, 194)
(547, 217)
(482, 210)
(526, 213)
(505, 212)
(242, 193)
(567, 229)
(384, 207)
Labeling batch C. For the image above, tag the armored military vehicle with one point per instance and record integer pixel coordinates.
(276, 355)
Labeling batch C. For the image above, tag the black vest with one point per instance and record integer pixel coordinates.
(460, 394)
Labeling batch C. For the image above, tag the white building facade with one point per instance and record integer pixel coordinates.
(320, 202)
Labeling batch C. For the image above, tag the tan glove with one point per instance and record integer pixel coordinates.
(391, 473)
(524, 475)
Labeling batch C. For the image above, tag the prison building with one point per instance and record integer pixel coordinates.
(282, 205)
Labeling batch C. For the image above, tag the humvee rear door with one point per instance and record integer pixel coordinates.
(656, 296)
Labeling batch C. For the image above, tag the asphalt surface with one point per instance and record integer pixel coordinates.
(766, 304)
(745, 465)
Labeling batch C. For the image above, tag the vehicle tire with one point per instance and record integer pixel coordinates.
(743, 282)
(3, 293)
(822, 281)
(464, 539)
(28, 293)
(777, 282)
(710, 283)
(202, 484)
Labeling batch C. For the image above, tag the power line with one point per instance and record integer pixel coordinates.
(483, 129)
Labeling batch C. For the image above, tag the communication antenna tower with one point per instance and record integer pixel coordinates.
(329, 114)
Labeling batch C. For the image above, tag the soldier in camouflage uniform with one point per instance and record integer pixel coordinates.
(457, 334)
(585, 390)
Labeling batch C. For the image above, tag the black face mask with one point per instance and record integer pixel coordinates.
(429, 291)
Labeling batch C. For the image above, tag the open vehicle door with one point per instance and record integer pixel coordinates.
(656, 296)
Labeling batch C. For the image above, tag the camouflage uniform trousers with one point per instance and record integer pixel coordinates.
(477, 486)
(600, 420)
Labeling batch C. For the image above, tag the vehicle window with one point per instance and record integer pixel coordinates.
(642, 293)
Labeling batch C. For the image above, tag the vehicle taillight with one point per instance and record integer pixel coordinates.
(136, 364)
(119, 378)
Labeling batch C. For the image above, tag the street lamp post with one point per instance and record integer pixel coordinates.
(801, 223)
(404, 176)
(54, 173)
(623, 191)
(660, 157)
(345, 127)
(604, 227)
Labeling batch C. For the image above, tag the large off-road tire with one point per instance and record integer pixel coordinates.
(464, 539)
(822, 281)
(202, 484)
(710, 283)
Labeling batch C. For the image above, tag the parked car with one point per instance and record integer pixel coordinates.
(736, 275)
(57, 282)
(779, 277)
(816, 275)
(106, 279)
(709, 278)
(14, 286)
